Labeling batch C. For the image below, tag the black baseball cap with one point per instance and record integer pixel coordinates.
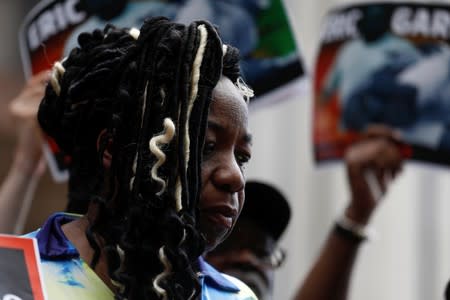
(267, 206)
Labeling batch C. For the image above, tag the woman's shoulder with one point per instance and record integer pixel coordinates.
(73, 279)
(65, 274)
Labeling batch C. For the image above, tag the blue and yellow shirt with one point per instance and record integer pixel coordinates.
(67, 276)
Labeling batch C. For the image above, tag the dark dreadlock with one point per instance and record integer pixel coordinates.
(124, 90)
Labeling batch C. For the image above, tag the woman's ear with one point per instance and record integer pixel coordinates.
(107, 153)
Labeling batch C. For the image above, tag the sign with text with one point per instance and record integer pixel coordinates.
(20, 277)
(42, 38)
(389, 64)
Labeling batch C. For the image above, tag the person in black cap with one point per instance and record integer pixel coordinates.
(251, 252)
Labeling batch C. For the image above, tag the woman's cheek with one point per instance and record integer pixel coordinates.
(241, 199)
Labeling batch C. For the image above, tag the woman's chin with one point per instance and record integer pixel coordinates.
(213, 242)
(214, 235)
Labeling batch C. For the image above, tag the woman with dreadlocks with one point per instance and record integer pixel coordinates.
(155, 122)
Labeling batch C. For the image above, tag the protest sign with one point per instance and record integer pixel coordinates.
(384, 63)
(42, 37)
(20, 277)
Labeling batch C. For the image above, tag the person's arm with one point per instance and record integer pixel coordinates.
(378, 156)
(28, 165)
(17, 190)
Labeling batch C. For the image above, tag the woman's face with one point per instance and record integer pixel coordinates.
(226, 151)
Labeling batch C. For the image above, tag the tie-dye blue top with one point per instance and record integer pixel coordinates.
(67, 276)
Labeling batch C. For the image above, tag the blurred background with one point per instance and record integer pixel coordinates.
(50, 196)
(409, 259)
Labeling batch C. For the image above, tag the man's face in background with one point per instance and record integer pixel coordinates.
(250, 255)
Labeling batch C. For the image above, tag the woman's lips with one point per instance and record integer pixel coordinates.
(219, 219)
(222, 216)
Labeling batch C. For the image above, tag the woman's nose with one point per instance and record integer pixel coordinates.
(229, 177)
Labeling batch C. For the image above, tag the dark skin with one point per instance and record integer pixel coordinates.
(227, 150)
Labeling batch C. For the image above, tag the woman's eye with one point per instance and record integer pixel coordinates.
(208, 148)
(242, 160)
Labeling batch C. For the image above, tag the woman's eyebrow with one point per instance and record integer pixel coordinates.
(215, 126)
(247, 138)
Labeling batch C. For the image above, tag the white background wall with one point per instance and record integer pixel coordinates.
(410, 259)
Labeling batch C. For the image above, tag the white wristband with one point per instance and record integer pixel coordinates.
(358, 231)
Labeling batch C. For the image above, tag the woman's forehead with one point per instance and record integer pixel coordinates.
(228, 102)
(226, 88)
